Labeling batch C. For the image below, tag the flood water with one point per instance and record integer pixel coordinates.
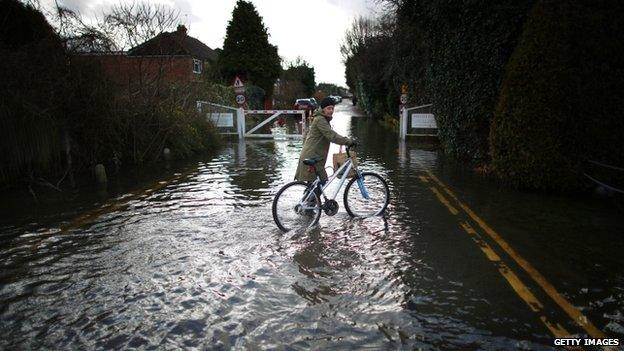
(193, 260)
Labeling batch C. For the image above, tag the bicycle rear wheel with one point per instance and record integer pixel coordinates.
(290, 211)
(368, 198)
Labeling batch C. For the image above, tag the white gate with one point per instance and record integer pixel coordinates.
(280, 124)
(228, 120)
(418, 121)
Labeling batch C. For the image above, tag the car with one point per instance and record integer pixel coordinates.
(304, 104)
(314, 103)
(337, 98)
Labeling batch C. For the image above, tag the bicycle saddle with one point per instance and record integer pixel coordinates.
(310, 161)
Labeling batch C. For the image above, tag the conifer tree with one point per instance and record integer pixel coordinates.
(300, 71)
(247, 51)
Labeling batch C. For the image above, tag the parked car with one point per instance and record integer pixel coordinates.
(337, 98)
(314, 103)
(304, 104)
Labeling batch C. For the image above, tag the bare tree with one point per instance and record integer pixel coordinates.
(122, 27)
(75, 33)
(80, 36)
(132, 24)
(35, 4)
(362, 30)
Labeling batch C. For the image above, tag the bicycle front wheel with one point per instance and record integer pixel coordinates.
(366, 196)
(294, 207)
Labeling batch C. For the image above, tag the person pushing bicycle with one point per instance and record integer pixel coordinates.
(300, 203)
(316, 143)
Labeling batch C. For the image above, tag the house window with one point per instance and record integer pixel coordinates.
(197, 66)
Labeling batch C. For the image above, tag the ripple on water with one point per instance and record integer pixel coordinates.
(200, 264)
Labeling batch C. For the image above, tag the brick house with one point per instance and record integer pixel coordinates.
(169, 57)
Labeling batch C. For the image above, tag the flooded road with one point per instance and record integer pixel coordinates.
(194, 261)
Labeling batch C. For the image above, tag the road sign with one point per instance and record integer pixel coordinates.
(423, 120)
(403, 99)
(238, 83)
(239, 86)
(404, 89)
(240, 99)
(221, 119)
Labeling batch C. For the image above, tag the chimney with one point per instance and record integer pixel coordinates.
(181, 30)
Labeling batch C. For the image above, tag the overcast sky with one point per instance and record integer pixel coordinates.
(312, 29)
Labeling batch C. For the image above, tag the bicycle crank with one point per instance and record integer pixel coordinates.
(330, 207)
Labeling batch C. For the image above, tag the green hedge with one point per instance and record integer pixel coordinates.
(218, 93)
(449, 53)
(562, 99)
(469, 42)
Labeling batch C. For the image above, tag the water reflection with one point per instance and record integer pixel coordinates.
(197, 262)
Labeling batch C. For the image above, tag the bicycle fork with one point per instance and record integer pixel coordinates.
(360, 182)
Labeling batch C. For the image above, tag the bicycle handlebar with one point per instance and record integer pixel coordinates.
(348, 148)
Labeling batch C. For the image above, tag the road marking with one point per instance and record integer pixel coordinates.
(519, 287)
(548, 288)
(512, 279)
(444, 201)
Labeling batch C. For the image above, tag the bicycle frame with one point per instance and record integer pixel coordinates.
(304, 203)
(345, 169)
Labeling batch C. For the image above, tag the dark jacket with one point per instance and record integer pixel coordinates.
(316, 145)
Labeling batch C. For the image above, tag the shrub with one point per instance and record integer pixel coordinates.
(561, 100)
(469, 44)
(255, 97)
(449, 53)
(218, 93)
(54, 110)
(33, 77)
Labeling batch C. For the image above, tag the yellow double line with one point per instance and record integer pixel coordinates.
(518, 286)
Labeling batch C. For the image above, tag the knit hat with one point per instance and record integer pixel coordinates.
(327, 102)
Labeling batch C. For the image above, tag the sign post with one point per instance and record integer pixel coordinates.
(403, 98)
(403, 112)
(239, 90)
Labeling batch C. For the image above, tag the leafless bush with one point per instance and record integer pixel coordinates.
(129, 25)
(74, 116)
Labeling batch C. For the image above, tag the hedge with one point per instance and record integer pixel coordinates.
(561, 103)
(470, 42)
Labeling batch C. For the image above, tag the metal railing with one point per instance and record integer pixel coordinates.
(604, 183)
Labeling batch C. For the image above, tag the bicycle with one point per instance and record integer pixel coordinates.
(298, 203)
